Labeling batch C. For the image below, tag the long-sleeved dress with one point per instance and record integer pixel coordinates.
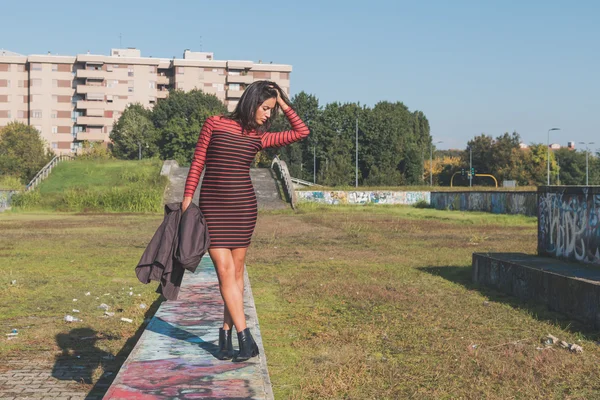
(227, 197)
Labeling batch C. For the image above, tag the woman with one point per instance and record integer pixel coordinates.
(226, 147)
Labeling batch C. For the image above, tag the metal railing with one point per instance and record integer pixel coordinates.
(45, 171)
(304, 183)
(285, 177)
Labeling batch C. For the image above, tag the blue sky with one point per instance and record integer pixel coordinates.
(471, 66)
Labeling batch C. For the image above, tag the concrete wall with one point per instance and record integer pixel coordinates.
(495, 202)
(343, 197)
(569, 223)
(5, 196)
(571, 290)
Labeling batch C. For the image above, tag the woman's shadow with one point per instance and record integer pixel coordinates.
(79, 357)
(160, 326)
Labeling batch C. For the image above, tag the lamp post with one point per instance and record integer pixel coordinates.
(431, 162)
(548, 175)
(587, 165)
(315, 164)
(470, 166)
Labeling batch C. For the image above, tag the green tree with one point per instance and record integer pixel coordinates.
(502, 152)
(178, 120)
(337, 132)
(134, 131)
(572, 166)
(594, 162)
(22, 151)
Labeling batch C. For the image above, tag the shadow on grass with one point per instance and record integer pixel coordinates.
(113, 367)
(540, 311)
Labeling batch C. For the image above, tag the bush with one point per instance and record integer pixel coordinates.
(422, 204)
(10, 182)
(94, 151)
(27, 200)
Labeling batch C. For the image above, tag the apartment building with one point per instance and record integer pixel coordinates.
(73, 99)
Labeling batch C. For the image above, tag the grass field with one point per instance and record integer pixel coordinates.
(48, 260)
(377, 303)
(371, 302)
(99, 185)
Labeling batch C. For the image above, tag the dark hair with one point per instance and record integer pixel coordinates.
(254, 95)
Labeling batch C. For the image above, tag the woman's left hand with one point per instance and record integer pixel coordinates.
(282, 104)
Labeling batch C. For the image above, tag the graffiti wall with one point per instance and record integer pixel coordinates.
(343, 197)
(568, 223)
(495, 202)
(5, 196)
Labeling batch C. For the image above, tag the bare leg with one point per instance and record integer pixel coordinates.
(230, 291)
(239, 259)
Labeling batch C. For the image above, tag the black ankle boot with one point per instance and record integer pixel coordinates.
(248, 347)
(225, 346)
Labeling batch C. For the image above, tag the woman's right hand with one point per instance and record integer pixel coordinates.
(185, 203)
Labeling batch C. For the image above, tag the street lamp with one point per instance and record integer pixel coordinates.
(431, 162)
(587, 168)
(470, 166)
(551, 129)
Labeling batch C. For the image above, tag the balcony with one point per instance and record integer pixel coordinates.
(92, 137)
(85, 104)
(163, 80)
(162, 94)
(92, 74)
(90, 89)
(234, 94)
(94, 121)
(247, 79)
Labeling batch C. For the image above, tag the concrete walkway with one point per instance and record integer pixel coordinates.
(174, 358)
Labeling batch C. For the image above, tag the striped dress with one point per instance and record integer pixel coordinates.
(227, 197)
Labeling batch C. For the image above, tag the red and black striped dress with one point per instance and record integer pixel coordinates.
(227, 197)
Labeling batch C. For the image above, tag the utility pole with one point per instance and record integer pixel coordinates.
(470, 166)
(356, 179)
(314, 164)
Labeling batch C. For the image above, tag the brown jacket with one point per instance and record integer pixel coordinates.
(178, 244)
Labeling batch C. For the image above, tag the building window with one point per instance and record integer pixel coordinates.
(130, 71)
(54, 67)
(54, 114)
(22, 83)
(130, 89)
(234, 86)
(35, 66)
(20, 114)
(54, 145)
(54, 82)
(21, 68)
(8, 83)
(35, 82)
(36, 114)
(55, 129)
(152, 85)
